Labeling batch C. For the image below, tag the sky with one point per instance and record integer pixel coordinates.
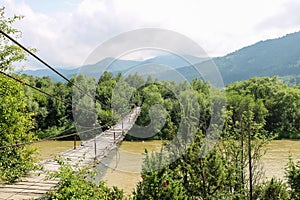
(65, 32)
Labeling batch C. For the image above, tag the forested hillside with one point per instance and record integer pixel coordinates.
(276, 57)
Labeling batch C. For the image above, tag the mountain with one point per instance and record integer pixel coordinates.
(108, 64)
(68, 73)
(271, 57)
(174, 61)
(93, 70)
(117, 65)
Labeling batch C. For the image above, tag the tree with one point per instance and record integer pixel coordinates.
(121, 98)
(15, 126)
(281, 101)
(191, 176)
(105, 89)
(244, 138)
(153, 115)
(85, 106)
(15, 120)
(293, 178)
(230, 170)
(9, 52)
(52, 116)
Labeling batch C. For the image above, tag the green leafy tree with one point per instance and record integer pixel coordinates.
(15, 120)
(105, 89)
(243, 141)
(121, 98)
(9, 52)
(279, 99)
(86, 109)
(231, 170)
(52, 116)
(15, 126)
(191, 176)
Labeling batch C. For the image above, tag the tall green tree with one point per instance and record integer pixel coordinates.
(15, 126)
(15, 121)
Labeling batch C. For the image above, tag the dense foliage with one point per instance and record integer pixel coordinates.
(275, 103)
(232, 169)
(221, 173)
(73, 184)
(15, 126)
(51, 116)
(279, 101)
(15, 120)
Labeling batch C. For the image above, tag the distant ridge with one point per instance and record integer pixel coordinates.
(117, 65)
(273, 57)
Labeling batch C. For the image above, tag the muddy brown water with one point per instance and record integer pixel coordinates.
(123, 166)
(50, 148)
(277, 156)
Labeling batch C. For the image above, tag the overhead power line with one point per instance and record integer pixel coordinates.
(35, 56)
(35, 88)
(50, 138)
(46, 93)
(43, 92)
(48, 66)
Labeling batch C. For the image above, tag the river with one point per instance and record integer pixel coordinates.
(277, 156)
(50, 148)
(122, 167)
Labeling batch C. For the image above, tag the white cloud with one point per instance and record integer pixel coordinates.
(287, 19)
(65, 38)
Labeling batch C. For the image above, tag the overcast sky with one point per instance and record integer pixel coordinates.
(65, 32)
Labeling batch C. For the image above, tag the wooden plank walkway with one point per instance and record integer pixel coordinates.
(35, 186)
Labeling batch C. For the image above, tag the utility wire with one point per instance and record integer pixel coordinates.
(35, 56)
(43, 92)
(49, 138)
(35, 88)
(47, 65)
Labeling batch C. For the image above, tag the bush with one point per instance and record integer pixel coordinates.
(273, 189)
(78, 184)
(293, 178)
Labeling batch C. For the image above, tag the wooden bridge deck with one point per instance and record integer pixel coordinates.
(35, 186)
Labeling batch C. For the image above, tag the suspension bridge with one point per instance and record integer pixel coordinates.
(35, 185)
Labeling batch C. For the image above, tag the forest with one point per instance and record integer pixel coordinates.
(241, 119)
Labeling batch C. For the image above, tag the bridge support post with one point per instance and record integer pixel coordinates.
(95, 147)
(74, 141)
